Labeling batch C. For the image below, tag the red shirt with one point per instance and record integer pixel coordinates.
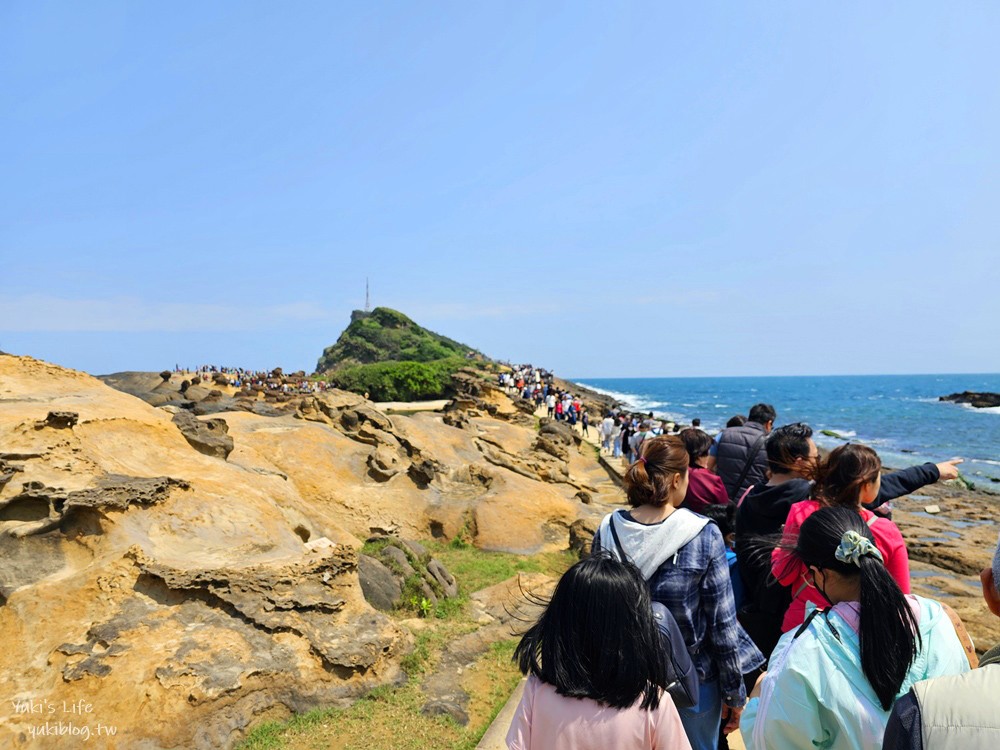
(704, 488)
(789, 570)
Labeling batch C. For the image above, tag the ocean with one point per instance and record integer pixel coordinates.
(898, 415)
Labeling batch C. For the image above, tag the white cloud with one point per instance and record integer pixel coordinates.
(35, 313)
(463, 310)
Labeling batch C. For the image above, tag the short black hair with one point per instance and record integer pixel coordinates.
(597, 637)
(785, 444)
(697, 444)
(762, 413)
(724, 515)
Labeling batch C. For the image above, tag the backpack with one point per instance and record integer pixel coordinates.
(682, 677)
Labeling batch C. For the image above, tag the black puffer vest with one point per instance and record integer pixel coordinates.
(734, 450)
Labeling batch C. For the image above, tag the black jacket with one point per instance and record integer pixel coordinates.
(759, 521)
(733, 453)
(903, 482)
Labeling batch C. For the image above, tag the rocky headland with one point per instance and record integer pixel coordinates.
(385, 354)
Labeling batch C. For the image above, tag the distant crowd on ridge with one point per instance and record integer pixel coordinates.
(267, 380)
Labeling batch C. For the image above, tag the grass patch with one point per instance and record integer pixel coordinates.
(382, 719)
(416, 662)
(475, 569)
(390, 717)
(271, 736)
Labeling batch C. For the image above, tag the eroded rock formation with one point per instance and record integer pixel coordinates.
(189, 592)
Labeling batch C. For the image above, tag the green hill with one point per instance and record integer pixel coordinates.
(387, 355)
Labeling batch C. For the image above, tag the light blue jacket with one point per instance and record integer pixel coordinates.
(815, 694)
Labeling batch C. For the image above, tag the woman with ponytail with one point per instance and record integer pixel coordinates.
(832, 682)
(682, 557)
(850, 477)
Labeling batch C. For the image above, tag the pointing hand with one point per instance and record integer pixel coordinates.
(949, 469)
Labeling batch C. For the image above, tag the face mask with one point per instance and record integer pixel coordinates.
(821, 591)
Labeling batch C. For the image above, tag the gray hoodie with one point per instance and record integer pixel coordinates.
(650, 545)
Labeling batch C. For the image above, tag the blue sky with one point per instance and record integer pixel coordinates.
(607, 189)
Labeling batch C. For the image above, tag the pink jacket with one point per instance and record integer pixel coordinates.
(545, 720)
(790, 571)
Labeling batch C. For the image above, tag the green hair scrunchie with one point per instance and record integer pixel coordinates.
(853, 547)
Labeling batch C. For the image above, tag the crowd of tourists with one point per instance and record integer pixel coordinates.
(525, 380)
(538, 385)
(267, 380)
(752, 584)
(622, 433)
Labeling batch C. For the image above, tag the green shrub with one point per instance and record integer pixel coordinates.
(399, 381)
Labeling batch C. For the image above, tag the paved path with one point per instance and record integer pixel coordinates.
(411, 405)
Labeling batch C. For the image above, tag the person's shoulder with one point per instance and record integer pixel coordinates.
(532, 685)
(711, 477)
(881, 527)
(604, 524)
(798, 655)
(930, 612)
(727, 433)
(709, 533)
(803, 508)
(799, 485)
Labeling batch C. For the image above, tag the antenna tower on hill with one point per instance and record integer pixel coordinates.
(368, 302)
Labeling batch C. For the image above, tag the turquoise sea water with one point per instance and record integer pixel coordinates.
(898, 415)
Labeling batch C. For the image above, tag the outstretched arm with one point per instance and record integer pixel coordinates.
(905, 481)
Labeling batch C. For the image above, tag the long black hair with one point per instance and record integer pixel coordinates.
(597, 637)
(888, 634)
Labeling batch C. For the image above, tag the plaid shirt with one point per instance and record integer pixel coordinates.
(695, 586)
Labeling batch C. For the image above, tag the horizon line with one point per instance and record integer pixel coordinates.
(803, 375)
